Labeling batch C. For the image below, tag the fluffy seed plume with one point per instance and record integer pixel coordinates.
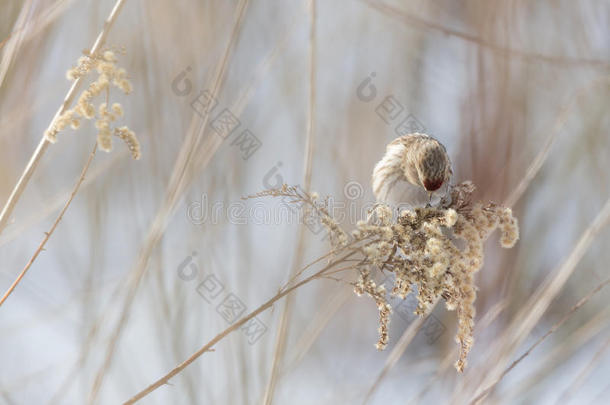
(433, 249)
(108, 74)
(365, 284)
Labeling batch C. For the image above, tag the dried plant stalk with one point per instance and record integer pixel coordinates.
(421, 248)
(44, 142)
(48, 234)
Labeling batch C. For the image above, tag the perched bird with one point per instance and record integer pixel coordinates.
(414, 171)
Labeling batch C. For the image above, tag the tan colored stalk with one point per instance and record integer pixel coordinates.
(208, 346)
(48, 234)
(178, 182)
(397, 13)
(398, 351)
(56, 203)
(561, 119)
(569, 392)
(560, 354)
(553, 328)
(486, 320)
(539, 302)
(15, 39)
(318, 324)
(210, 147)
(280, 344)
(44, 143)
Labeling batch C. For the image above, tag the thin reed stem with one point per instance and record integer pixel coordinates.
(208, 346)
(48, 234)
(25, 177)
(178, 182)
(397, 13)
(553, 328)
(539, 302)
(398, 351)
(282, 333)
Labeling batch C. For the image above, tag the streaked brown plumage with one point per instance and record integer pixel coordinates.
(414, 170)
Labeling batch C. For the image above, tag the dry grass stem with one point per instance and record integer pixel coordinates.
(542, 155)
(417, 287)
(180, 178)
(418, 252)
(163, 380)
(553, 328)
(408, 18)
(540, 300)
(398, 351)
(48, 234)
(286, 312)
(44, 142)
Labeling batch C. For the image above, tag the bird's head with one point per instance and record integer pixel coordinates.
(433, 166)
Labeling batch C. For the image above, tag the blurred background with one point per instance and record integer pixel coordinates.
(155, 257)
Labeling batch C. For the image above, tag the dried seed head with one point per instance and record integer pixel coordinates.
(108, 74)
(433, 252)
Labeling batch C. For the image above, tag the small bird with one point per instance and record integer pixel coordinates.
(415, 171)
